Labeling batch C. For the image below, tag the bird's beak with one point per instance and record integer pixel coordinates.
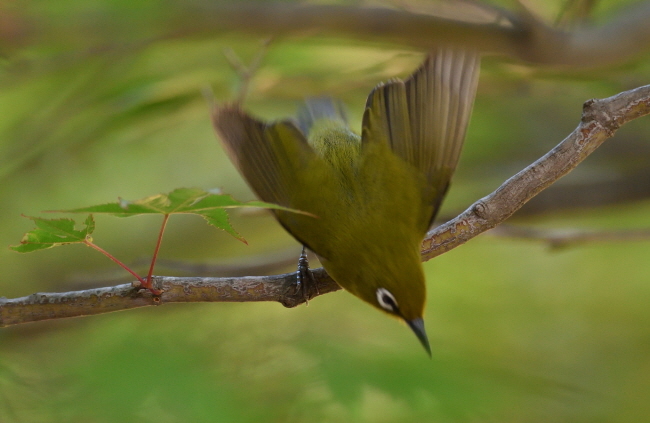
(417, 325)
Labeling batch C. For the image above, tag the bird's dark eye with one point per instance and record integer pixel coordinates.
(386, 300)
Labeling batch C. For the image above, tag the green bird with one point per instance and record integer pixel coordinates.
(374, 196)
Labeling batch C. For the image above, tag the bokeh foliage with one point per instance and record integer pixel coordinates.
(103, 105)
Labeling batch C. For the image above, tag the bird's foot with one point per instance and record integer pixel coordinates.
(305, 282)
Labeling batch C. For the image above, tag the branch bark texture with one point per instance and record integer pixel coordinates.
(600, 120)
(49, 305)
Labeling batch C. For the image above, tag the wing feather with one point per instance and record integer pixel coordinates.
(424, 118)
(268, 155)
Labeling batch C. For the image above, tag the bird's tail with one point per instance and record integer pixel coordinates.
(316, 108)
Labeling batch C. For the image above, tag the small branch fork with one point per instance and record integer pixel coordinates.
(600, 120)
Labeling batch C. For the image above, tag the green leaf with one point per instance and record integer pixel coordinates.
(210, 205)
(53, 232)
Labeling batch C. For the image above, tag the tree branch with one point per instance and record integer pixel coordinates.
(486, 28)
(489, 29)
(521, 35)
(48, 305)
(600, 120)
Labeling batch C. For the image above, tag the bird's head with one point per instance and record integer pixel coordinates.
(399, 291)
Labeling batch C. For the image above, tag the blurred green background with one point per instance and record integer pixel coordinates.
(96, 103)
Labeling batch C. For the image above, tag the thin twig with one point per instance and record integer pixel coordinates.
(155, 255)
(96, 247)
(244, 72)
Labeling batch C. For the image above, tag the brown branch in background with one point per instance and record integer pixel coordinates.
(261, 264)
(563, 238)
(521, 35)
(632, 185)
(250, 265)
(486, 28)
(600, 119)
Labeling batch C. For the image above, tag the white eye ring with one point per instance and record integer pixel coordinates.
(386, 300)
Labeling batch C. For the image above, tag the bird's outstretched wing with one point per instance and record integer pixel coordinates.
(270, 156)
(281, 168)
(424, 118)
